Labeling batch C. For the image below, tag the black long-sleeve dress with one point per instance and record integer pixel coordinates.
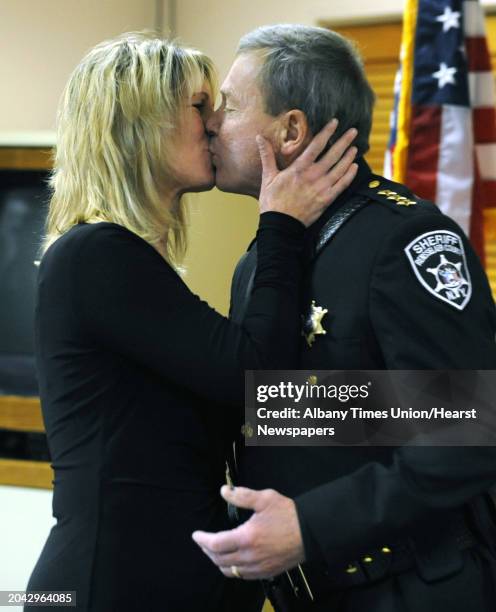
(141, 384)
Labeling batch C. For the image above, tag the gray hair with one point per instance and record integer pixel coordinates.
(317, 71)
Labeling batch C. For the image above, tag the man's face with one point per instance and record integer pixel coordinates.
(234, 126)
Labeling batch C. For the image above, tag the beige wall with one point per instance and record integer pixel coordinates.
(41, 41)
(215, 26)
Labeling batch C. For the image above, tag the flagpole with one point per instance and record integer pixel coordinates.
(400, 155)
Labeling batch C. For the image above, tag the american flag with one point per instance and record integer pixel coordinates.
(443, 127)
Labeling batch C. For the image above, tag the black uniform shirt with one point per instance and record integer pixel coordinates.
(404, 290)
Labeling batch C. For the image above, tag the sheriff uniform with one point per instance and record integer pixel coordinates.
(391, 283)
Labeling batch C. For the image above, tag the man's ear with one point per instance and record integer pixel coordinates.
(294, 134)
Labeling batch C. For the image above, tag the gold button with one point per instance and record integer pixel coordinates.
(312, 380)
(385, 550)
(351, 569)
(247, 430)
(374, 184)
(367, 559)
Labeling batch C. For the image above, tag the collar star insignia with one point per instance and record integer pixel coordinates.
(400, 200)
(312, 325)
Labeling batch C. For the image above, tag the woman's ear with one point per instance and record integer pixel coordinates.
(294, 134)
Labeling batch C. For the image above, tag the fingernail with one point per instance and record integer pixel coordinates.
(335, 121)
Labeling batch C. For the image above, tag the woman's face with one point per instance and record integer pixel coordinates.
(191, 162)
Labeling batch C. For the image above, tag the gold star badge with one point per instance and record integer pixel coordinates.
(313, 324)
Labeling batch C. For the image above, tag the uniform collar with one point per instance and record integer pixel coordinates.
(364, 173)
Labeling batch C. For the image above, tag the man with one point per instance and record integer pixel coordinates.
(380, 529)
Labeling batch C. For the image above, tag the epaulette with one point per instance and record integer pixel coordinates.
(395, 196)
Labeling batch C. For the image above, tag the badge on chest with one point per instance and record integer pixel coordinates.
(312, 323)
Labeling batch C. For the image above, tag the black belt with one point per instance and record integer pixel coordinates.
(298, 588)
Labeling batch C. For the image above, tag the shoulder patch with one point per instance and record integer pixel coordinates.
(439, 262)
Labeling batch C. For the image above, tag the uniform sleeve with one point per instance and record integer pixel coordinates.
(132, 303)
(431, 308)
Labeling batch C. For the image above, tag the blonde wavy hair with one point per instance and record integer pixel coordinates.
(115, 131)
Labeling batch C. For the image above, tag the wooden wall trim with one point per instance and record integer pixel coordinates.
(345, 22)
(17, 472)
(26, 158)
(21, 413)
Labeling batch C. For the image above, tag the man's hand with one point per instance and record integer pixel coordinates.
(266, 545)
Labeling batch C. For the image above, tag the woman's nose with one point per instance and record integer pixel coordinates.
(212, 123)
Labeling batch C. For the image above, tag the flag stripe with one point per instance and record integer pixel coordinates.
(473, 19)
(388, 163)
(424, 150)
(485, 124)
(477, 54)
(490, 194)
(455, 165)
(486, 156)
(481, 87)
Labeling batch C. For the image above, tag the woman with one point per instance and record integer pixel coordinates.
(140, 381)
